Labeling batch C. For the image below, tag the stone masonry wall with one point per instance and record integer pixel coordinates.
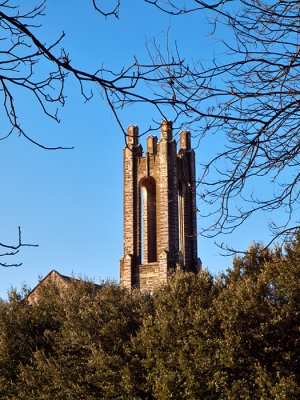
(152, 228)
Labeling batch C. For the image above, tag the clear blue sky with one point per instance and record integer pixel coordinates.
(70, 202)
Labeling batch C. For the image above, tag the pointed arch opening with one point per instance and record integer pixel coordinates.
(181, 216)
(148, 220)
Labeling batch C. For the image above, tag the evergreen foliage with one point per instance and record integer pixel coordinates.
(234, 336)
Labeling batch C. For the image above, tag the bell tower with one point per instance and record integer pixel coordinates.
(160, 228)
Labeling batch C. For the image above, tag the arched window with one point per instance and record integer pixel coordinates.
(148, 221)
(181, 216)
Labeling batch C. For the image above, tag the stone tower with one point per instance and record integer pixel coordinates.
(160, 232)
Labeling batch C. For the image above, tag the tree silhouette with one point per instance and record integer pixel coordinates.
(249, 97)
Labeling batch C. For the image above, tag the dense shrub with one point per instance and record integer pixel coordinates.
(234, 336)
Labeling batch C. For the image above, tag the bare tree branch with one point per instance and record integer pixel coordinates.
(8, 250)
(249, 98)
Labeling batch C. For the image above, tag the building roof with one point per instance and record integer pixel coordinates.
(52, 277)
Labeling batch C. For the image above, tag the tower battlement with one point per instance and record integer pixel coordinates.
(160, 228)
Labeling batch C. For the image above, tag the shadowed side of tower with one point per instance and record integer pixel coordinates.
(160, 230)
